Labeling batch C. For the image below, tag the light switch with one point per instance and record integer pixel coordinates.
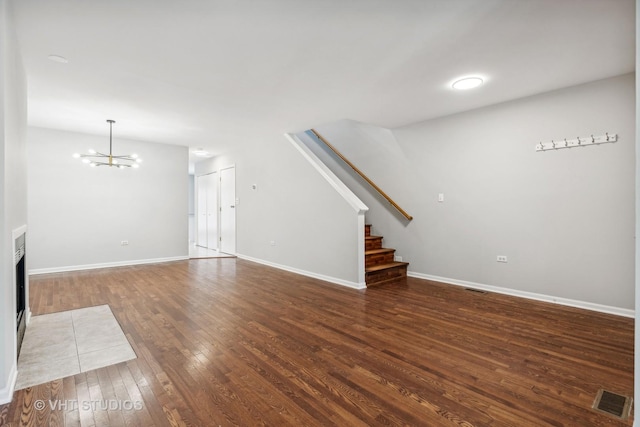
(440, 197)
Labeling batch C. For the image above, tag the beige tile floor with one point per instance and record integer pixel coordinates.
(200, 252)
(61, 344)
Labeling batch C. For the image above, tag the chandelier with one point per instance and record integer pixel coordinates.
(95, 158)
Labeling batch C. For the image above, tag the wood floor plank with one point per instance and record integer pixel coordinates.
(227, 342)
(82, 389)
(135, 396)
(71, 410)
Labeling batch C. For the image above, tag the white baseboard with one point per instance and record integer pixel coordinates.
(6, 393)
(105, 265)
(529, 295)
(335, 280)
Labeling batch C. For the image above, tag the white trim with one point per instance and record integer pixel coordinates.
(361, 250)
(105, 265)
(235, 210)
(6, 393)
(18, 232)
(232, 165)
(335, 280)
(529, 295)
(331, 178)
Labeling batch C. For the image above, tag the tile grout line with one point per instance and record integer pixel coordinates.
(75, 340)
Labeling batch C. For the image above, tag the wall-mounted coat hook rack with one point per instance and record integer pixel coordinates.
(578, 142)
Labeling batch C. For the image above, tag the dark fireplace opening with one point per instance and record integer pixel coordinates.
(21, 293)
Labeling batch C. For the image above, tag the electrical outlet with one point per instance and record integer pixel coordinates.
(124, 243)
(273, 243)
(397, 258)
(502, 258)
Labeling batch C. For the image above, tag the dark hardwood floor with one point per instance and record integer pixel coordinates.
(224, 342)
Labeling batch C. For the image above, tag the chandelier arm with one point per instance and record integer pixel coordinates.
(97, 155)
(117, 165)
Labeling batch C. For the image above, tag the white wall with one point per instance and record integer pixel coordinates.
(314, 229)
(564, 219)
(636, 420)
(78, 215)
(13, 188)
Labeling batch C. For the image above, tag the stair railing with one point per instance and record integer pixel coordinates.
(366, 178)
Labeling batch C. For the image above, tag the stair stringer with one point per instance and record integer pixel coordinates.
(354, 140)
(349, 196)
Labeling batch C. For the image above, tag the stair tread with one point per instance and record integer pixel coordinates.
(386, 281)
(373, 237)
(378, 251)
(385, 266)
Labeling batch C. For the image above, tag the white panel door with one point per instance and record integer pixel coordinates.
(228, 210)
(212, 210)
(201, 210)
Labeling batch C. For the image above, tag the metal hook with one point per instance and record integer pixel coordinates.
(607, 136)
(566, 144)
(578, 140)
(593, 140)
(553, 144)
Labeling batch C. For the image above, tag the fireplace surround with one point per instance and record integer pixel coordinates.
(21, 284)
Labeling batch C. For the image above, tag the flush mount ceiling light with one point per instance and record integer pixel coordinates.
(467, 83)
(58, 58)
(95, 158)
(200, 152)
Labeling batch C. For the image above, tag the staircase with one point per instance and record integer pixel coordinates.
(379, 264)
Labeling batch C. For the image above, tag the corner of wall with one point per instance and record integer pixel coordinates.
(13, 187)
(6, 393)
(636, 421)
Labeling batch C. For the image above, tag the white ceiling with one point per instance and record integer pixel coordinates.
(208, 73)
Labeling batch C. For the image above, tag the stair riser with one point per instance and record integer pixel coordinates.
(389, 274)
(378, 259)
(379, 262)
(373, 244)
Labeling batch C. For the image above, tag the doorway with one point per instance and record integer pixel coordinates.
(207, 194)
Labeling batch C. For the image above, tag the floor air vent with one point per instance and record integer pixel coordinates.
(477, 291)
(613, 404)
